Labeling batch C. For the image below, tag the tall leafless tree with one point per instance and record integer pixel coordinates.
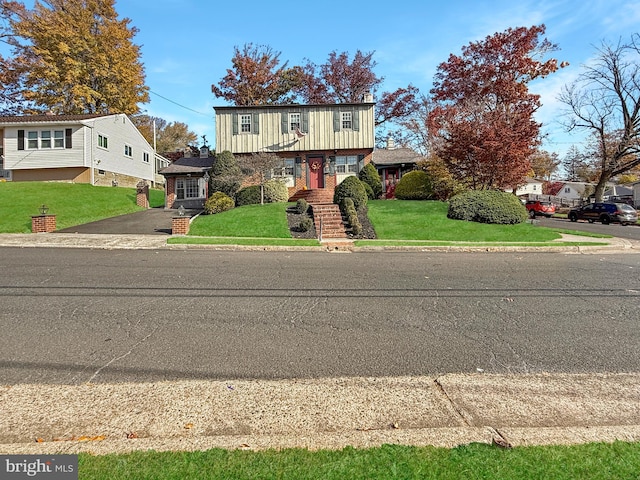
(605, 102)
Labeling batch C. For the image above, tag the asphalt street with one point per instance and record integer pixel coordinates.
(72, 316)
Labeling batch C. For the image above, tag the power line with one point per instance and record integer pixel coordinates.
(178, 104)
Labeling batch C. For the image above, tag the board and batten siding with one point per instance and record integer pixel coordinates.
(320, 125)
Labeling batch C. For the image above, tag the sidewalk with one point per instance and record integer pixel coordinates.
(137, 241)
(332, 413)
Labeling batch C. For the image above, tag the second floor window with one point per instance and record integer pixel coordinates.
(294, 122)
(245, 123)
(145, 157)
(128, 151)
(102, 141)
(347, 120)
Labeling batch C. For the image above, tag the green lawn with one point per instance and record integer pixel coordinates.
(597, 461)
(266, 221)
(73, 204)
(420, 220)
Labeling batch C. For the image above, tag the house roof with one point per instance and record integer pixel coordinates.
(186, 165)
(395, 156)
(18, 119)
(289, 106)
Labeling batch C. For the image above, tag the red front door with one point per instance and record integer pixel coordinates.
(316, 172)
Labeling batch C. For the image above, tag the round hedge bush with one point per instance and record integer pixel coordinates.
(248, 195)
(275, 191)
(414, 185)
(351, 187)
(218, 202)
(487, 206)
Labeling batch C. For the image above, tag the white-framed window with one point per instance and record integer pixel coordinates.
(347, 164)
(288, 169)
(145, 157)
(187, 188)
(347, 120)
(245, 123)
(45, 139)
(32, 140)
(58, 139)
(103, 141)
(128, 151)
(567, 190)
(294, 122)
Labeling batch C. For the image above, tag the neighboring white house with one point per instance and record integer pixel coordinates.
(532, 187)
(574, 191)
(96, 149)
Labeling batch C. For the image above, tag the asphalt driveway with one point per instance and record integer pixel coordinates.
(154, 221)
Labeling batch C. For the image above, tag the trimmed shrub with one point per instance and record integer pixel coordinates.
(218, 202)
(369, 190)
(351, 187)
(302, 206)
(248, 195)
(305, 225)
(369, 175)
(275, 191)
(348, 209)
(487, 206)
(414, 185)
(226, 175)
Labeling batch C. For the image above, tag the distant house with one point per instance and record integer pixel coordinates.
(532, 186)
(575, 191)
(95, 149)
(392, 163)
(320, 145)
(187, 181)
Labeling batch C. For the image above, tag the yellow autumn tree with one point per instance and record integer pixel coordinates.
(78, 57)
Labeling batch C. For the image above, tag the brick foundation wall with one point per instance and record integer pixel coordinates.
(43, 223)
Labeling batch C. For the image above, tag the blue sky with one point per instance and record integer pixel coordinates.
(187, 45)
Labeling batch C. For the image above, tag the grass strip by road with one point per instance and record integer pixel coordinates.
(266, 242)
(596, 461)
(73, 204)
(427, 243)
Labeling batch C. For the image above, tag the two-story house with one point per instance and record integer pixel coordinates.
(97, 149)
(320, 145)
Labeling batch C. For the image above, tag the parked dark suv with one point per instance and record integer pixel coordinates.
(605, 213)
(538, 207)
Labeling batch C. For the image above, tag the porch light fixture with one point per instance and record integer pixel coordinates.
(181, 211)
(44, 209)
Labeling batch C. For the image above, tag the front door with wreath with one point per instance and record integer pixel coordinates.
(316, 172)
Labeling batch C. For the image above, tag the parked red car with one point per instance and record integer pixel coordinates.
(538, 207)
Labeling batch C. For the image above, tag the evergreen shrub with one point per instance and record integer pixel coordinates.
(248, 195)
(487, 206)
(351, 187)
(218, 202)
(369, 175)
(414, 185)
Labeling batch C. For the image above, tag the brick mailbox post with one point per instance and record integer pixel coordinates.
(43, 223)
(180, 223)
(142, 196)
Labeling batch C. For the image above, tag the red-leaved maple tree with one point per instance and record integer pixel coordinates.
(483, 122)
